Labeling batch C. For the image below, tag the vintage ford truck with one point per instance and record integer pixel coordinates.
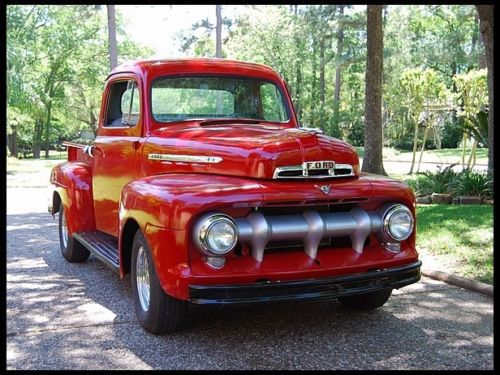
(201, 184)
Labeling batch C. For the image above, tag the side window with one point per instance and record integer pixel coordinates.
(272, 103)
(123, 104)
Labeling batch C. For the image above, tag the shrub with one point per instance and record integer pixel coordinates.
(472, 183)
(441, 181)
(421, 185)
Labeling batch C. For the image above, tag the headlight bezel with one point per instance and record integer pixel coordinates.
(202, 230)
(386, 221)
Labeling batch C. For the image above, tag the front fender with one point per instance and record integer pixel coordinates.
(169, 201)
(73, 183)
(163, 206)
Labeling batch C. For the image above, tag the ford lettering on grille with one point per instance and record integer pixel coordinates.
(313, 165)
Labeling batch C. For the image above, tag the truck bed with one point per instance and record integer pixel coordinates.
(76, 152)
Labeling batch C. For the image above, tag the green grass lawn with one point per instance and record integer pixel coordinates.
(452, 155)
(464, 234)
(35, 165)
(446, 155)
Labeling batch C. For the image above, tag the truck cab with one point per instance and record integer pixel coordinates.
(202, 185)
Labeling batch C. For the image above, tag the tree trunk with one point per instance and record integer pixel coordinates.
(218, 52)
(486, 24)
(298, 86)
(12, 140)
(218, 32)
(47, 130)
(464, 148)
(415, 142)
(93, 121)
(37, 138)
(314, 85)
(372, 161)
(426, 132)
(298, 70)
(322, 71)
(113, 53)
(472, 156)
(336, 97)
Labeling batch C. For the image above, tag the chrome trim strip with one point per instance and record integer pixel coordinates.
(186, 158)
(304, 171)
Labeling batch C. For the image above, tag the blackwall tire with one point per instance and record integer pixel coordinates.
(368, 301)
(72, 250)
(157, 312)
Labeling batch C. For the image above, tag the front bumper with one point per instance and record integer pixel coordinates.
(303, 290)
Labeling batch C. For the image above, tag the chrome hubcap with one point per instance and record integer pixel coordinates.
(64, 230)
(142, 278)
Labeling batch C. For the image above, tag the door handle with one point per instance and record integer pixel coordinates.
(90, 150)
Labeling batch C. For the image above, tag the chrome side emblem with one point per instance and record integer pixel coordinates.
(325, 189)
(186, 158)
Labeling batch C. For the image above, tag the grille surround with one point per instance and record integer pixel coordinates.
(301, 172)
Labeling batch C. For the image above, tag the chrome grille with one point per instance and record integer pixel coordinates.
(311, 227)
(300, 171)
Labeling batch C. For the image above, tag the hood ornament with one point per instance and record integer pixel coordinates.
(325, 189)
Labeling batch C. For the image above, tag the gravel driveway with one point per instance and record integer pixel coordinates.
(80, 316)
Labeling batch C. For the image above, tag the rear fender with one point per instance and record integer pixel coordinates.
(73, 189)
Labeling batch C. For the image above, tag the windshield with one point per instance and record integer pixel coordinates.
(182, 98)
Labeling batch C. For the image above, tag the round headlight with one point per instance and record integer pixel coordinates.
(217, 234)
(398, 222)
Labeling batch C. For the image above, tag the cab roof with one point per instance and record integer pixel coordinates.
(156, 67)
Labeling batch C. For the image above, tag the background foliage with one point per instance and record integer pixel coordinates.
(434, 85)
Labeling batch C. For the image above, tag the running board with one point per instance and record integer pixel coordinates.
(102, 245)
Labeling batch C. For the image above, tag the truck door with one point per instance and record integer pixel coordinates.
(115, 148)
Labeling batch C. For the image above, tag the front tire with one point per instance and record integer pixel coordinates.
(72, 250)
(368, 301)
(156, 311)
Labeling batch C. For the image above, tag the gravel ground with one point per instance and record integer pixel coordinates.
(80, 316)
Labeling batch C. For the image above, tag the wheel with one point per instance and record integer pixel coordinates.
(71, 249)
(368, 301)
(156, 311)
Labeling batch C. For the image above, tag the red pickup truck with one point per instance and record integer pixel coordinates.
(203, 186)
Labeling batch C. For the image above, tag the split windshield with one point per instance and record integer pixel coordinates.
(201, 97)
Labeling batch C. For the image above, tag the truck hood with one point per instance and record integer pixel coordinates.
(239, 149)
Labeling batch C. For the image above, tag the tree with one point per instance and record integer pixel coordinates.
(423, 95)
(372, 161)
(218, 32)
(441, 37)
(338, 68)
(200, 40)
(113, 52)
(57, 63)
(486, 19)
(472, 109)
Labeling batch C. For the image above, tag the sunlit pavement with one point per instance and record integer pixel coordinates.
(80, 316)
